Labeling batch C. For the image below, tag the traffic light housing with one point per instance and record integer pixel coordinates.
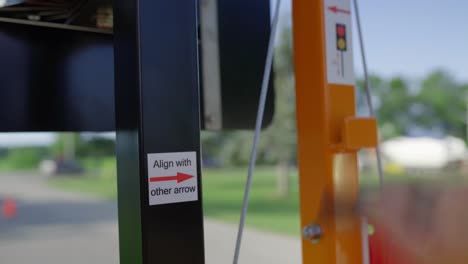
(341, 39)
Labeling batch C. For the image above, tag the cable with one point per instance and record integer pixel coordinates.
(258, 128)
(368, 90)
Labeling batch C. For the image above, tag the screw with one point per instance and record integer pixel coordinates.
(313, 233)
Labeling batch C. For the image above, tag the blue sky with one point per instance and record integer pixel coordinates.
(413, 37)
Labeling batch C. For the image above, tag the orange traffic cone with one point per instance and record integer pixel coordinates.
(9, 208)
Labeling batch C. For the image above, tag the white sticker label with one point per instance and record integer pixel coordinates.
(172, 177)
(338, 25)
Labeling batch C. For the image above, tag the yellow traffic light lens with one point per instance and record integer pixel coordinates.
(341, 44)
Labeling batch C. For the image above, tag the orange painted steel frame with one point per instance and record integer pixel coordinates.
(329, 137)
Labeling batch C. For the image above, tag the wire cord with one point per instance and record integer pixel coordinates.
(367, 85)
(258, 127)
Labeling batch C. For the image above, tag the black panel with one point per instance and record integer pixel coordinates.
(244, 32)
(55, 79)
(62, 80)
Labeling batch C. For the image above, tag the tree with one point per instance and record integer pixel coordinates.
(279, 142)
(438, 105)
(392, 102)
(65, 145)
(442, 105)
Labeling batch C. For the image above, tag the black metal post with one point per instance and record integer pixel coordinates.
(158, 131)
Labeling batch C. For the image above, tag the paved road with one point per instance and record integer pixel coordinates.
(54, 227)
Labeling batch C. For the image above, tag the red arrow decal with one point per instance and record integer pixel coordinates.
(180, 177)
(335, 10)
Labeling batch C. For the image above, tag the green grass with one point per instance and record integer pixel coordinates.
(101, 187)
(223, 190)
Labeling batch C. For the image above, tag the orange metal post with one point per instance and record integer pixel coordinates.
(329, 137)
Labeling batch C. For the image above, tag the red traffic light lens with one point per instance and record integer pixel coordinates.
(341, 30)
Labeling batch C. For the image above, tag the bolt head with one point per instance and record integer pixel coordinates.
(313, 233)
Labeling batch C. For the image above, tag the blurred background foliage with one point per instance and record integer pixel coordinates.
(435, 106)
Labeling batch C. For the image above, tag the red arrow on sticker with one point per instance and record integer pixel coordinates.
(335, 10)
(180, 177)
